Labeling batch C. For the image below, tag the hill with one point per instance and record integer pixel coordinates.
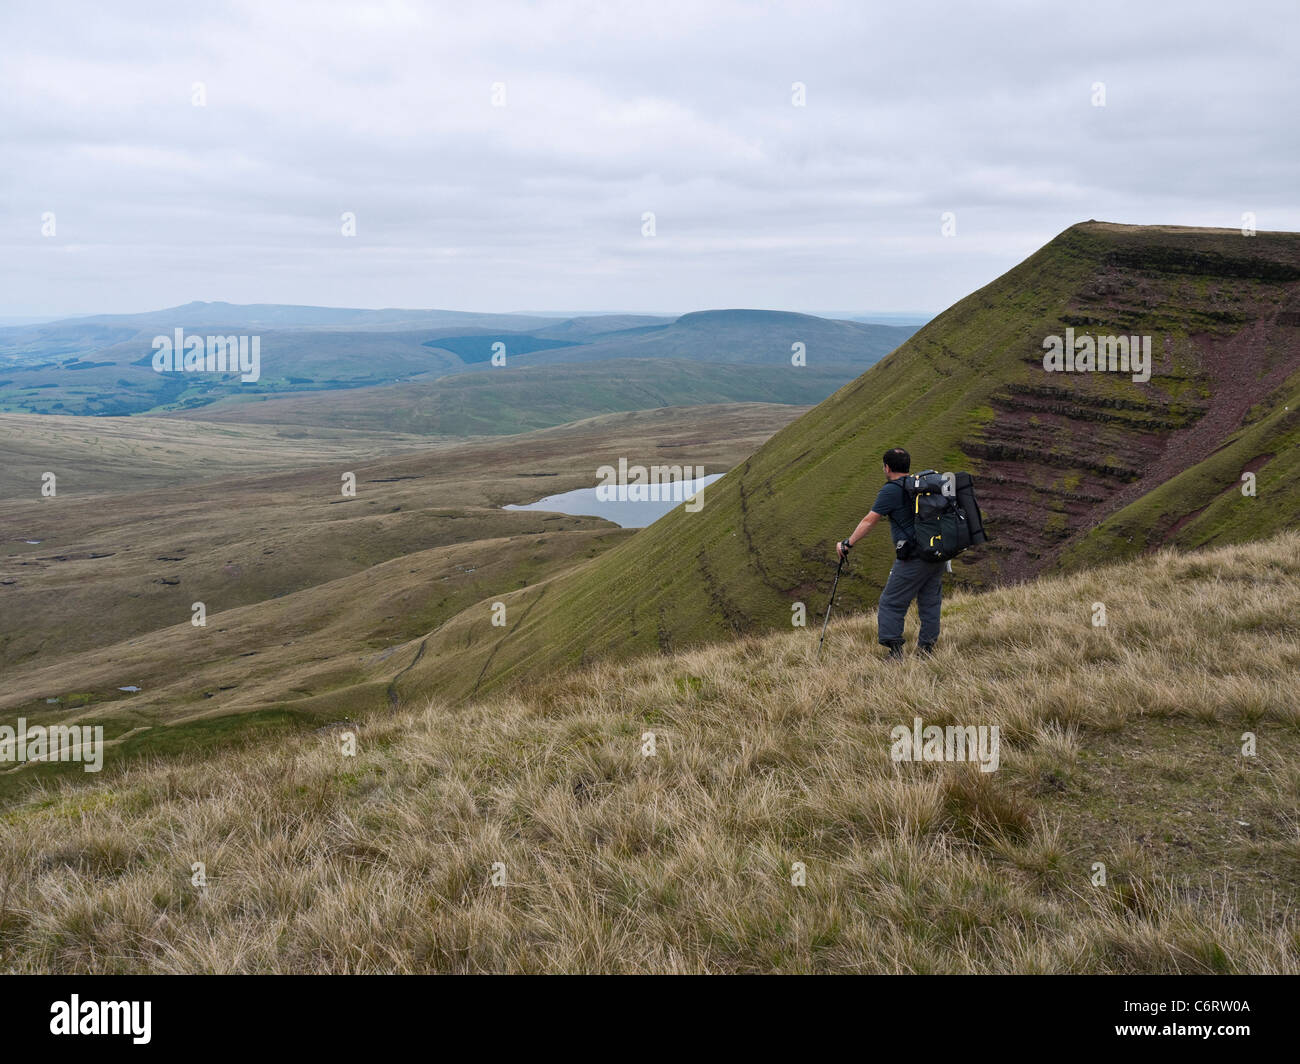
(761, 337)
(511, 400)
(1073, 468)
(200, 314)
(1123, 830)
(103, 366)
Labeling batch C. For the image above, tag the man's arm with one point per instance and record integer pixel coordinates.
(864, 526)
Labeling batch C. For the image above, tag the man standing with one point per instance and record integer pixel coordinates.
(910, 578)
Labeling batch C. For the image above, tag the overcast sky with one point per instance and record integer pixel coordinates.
(686, 110)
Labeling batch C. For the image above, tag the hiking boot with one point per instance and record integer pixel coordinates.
(895, 652)
(925, 650)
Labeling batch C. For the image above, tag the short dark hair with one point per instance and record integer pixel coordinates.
(898, 460)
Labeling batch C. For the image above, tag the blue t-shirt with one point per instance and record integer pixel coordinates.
(893, 501)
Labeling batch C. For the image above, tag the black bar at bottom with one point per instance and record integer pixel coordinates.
(342, 1013)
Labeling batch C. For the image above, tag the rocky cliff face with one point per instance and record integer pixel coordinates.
(1064, 451)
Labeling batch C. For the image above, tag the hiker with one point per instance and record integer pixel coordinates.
(910, 578)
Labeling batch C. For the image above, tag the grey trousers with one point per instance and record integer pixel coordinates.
(912, 579)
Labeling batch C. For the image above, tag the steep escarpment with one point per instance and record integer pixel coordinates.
(1063, 451)
(1073, 467)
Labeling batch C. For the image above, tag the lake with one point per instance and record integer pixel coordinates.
(626, 513)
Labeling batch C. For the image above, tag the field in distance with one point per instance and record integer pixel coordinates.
(509, 400)
(316, 602)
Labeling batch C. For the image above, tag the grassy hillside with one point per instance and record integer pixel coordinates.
(1072, 468)
(507, 400)
(1119, 746)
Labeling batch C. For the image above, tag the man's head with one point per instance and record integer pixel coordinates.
(897, 462)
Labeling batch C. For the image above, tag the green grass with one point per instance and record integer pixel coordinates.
(227, 732)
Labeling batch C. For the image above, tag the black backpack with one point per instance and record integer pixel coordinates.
(945, 515)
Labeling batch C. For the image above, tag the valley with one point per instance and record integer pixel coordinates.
(315, 601)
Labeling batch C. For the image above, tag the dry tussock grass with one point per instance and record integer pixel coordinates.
(682, 862)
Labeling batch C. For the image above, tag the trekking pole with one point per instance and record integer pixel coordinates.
(827, 621)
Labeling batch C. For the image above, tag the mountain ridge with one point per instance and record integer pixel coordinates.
(1053, 454)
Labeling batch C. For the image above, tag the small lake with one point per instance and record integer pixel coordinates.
(627, 509)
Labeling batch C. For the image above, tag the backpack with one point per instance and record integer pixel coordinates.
(945, 515)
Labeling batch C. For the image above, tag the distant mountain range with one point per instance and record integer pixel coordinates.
(102, 365)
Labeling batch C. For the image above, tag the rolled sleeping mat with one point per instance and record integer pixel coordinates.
(966, 500)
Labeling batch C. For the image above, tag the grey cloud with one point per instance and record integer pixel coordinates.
(681, 109)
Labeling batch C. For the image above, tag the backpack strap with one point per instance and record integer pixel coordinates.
(901, 484)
